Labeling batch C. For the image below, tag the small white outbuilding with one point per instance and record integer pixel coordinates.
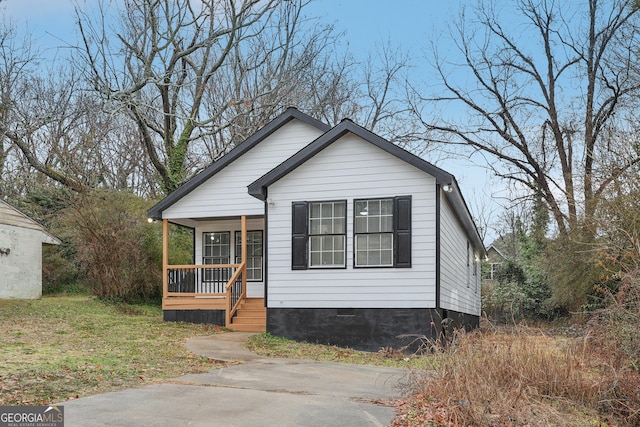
(21, 240)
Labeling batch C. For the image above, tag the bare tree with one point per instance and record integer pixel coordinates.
(160, 63)
(544, 96)
(16, 59)
(197, 80)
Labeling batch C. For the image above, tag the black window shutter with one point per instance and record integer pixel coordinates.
(402, 231)
(299, 236)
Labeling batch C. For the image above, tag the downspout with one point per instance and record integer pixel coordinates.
(265, 255)
(438, 195)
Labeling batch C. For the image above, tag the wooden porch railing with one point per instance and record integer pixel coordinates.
(187, 285)
(235, 292)
(226, 281)
(199, 280)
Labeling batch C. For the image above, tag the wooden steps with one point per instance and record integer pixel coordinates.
(251, 316)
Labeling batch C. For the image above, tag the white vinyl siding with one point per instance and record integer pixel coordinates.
(459, 276)
(352, 169)
(225, 193)
(255, 289)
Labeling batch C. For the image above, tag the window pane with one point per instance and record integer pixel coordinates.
(374, 207)
(387, 207)
(338, 225)
(373, 243)
(314, 243)
(386, 241)
(315, 210)
(373, 258)
(327, 258)
(387, 224)
(373, 224)
(315, 258)
(361, 258)
(216, 247)
(361, 224)
(386, 257)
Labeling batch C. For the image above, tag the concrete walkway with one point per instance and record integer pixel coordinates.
(257, 392)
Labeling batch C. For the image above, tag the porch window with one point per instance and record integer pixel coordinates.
(216, 247)
(254, 254)
(327, 234)
(382, 232)
(215, 250)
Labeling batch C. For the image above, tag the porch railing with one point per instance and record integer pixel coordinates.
(235, 292)
(209, 280)
(199, 280)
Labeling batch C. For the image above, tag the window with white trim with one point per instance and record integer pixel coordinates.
(254, 254)
(327, 234)
(374, 232)
(216, 248)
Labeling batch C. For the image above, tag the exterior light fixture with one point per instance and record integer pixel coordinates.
(150, 220)
(448, 188)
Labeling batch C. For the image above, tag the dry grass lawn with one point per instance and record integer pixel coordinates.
(60, 348)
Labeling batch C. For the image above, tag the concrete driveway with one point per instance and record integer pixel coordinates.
(257, 392)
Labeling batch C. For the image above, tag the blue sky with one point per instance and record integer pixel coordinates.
(408, 24)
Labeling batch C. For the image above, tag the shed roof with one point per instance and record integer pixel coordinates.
(13, 217)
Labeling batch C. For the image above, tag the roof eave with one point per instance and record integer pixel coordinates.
(291, 113)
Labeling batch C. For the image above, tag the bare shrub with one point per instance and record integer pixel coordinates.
(117, 250)
(498, 378)
(616, 335)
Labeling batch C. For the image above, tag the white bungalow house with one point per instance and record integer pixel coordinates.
(329, 235)
(21, 240)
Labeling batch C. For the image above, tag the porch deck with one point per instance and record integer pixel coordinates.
(216, 287)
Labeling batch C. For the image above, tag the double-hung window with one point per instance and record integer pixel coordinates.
(254, 254)
(216, 249)
(327, 234)
(373, 233)
(381, 233)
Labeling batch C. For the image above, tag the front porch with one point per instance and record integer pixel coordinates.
(211, 293)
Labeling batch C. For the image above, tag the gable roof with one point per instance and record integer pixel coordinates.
(13, 217)
(498, 251)
(290, 114)
(258, 188)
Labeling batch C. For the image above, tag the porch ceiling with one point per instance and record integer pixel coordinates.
(194, 222)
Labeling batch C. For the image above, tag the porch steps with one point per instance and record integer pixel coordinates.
(251, 316)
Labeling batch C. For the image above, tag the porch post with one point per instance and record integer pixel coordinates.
(165, 258)
(244, 252)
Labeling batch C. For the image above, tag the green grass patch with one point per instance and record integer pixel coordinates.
(58, 348)
(268, 345)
